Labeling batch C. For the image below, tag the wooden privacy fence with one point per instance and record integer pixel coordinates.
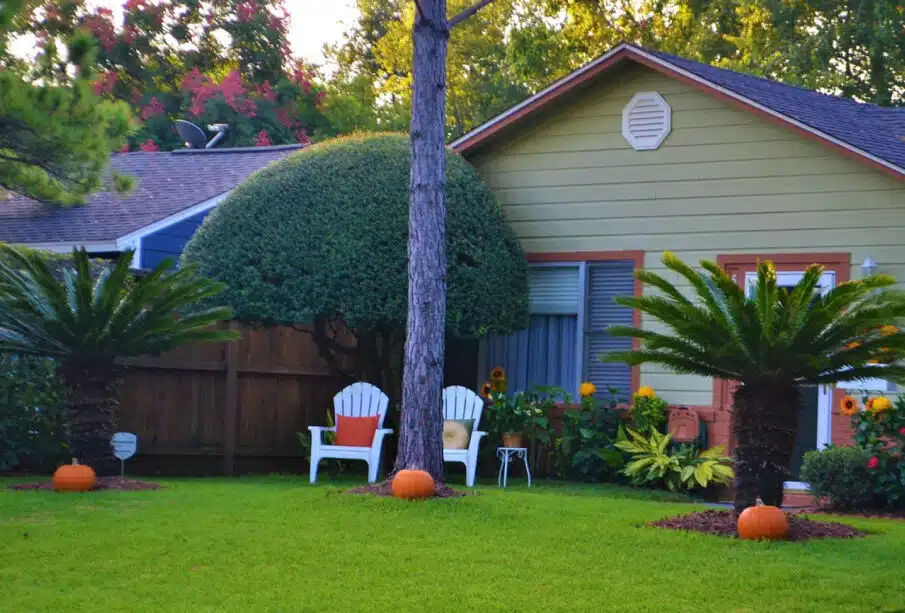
(220, 408)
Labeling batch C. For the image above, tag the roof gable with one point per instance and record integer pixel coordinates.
(168, 183)
(871, 133)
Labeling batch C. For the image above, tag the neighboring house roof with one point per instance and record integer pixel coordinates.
(167, 184)
(872, 133)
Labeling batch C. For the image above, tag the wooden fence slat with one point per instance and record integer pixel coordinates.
(229, 420)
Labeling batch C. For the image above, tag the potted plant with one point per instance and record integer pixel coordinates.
(511, 413)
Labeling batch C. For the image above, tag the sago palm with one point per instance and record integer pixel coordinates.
(770, 343)
(86, 321)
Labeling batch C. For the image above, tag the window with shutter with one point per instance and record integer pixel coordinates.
(571, 305)
(646, 121)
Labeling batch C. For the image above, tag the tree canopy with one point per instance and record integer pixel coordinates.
(55, 134)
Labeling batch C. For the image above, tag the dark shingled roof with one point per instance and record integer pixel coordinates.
(166, 183)
(875, 129)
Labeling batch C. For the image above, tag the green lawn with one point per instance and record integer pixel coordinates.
(278, 545)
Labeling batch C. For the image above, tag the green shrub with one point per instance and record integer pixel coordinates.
(649, 411)
(654, 464)
(585, 449)
(841, 475)
(31, 420)
(321, 237)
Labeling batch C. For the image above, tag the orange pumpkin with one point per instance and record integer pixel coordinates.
(413, 484)
(766, 522)
(74, 477)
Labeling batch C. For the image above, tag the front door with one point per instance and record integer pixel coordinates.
(816, 400)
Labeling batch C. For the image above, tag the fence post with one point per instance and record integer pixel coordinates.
(230, 417)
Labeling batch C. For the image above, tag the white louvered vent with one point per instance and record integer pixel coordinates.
(646, 121)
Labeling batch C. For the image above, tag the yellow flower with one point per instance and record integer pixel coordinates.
(486, 390)
(848, 406)
(880, 404)
(497, 374)
(869, 405)
(645, 392)
(586, 389)
(853, 345)
(889, 330)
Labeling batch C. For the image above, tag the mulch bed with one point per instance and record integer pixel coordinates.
(723, 523)
(385, 488)
(103, 483)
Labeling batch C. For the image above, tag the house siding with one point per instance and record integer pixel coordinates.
(170, 241)
(723, 182)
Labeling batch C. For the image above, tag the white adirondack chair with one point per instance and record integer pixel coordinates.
(462, 403)
(357, 400)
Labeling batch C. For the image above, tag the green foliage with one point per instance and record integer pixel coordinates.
(57, 135)
(653, 464)
(585, 450)
(31, 418)
(880, 434)
(513, 412)
(649, 413)
(323, 233)
(88, 319)
(212, 62)
(771, 342)
(839, 474)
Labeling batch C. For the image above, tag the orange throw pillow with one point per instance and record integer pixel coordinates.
(356, 431)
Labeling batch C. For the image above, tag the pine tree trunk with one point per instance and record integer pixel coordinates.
(421, 435)
(765, 420)
(90, 413)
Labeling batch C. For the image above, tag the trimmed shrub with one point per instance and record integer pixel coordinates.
(839, 474)
(321, 237)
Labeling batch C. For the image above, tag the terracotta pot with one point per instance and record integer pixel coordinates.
(512, 439)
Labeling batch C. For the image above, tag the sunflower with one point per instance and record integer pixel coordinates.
(848, 406)
(889, 330)
(586, 389)
(869, 405)
(646, 392)
(853, 345)
(497, 374)
(486, 390)
(880, 404)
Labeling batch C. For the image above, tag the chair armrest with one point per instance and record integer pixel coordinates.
(379, 434)
(317, 433)
(476, 437)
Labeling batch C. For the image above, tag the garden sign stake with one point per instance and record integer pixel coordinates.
(125, 444)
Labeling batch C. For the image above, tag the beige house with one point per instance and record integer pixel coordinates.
(640, 152)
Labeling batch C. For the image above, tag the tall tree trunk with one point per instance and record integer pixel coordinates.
(765, 420)
(90, 413)
(421, 436)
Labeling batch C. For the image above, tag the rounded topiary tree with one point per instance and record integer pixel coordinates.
(321, 238)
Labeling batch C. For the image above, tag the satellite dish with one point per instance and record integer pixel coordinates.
(194, 137)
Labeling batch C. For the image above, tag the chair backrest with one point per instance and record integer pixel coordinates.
(462, 403)
(361, 400)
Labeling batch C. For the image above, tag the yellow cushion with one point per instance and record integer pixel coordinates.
(455, 435)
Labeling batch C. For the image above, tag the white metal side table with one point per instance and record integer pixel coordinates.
(506, 454)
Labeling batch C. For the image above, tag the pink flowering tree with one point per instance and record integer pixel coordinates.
(167, 59)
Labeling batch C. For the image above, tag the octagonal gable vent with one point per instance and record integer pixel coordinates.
(646, 121)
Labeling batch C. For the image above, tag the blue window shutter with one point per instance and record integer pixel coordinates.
(606, 281)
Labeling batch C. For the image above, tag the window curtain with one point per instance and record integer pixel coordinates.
(544, 354)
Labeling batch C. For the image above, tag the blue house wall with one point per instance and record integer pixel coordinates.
(170, 241)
